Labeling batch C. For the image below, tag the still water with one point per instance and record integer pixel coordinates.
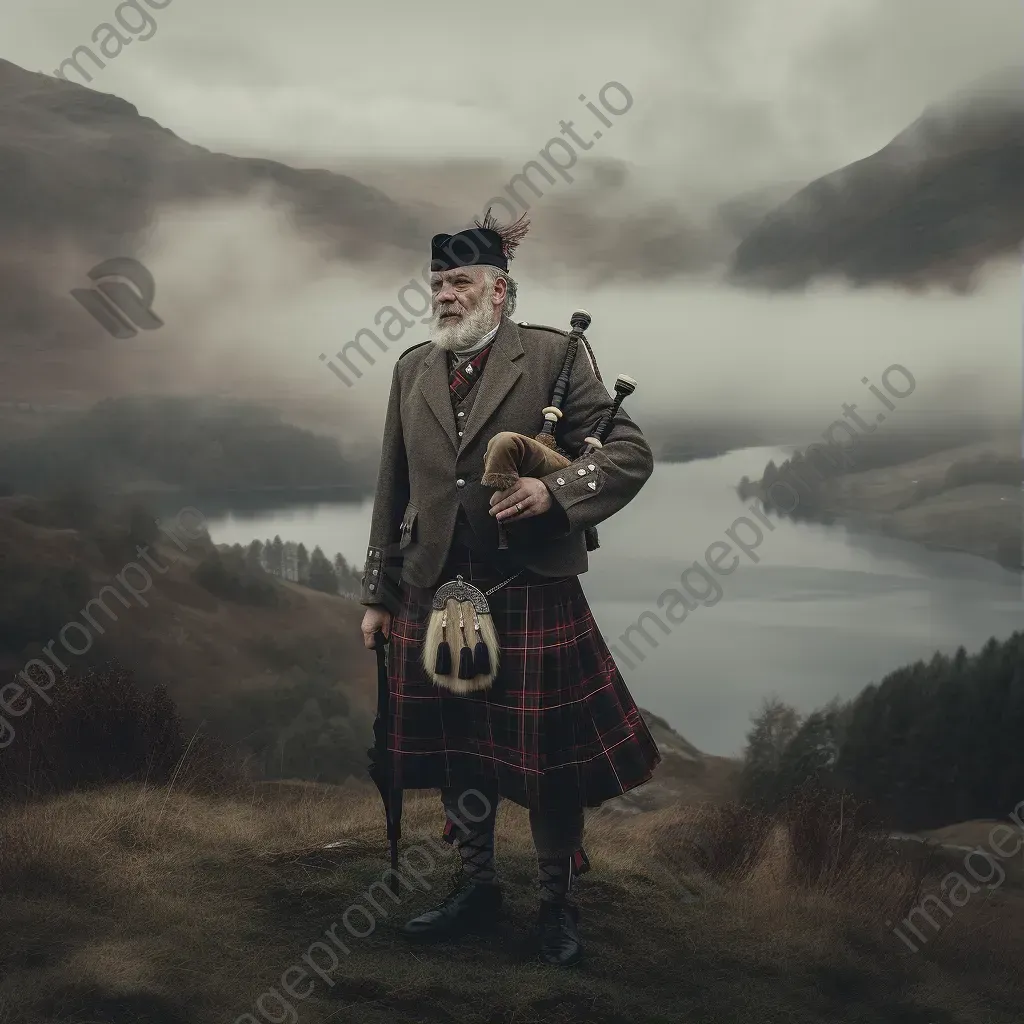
(813, 612)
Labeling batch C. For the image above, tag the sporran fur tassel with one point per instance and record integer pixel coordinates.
(481, 659)
(465, 655)
(459, 610)
(443, 662)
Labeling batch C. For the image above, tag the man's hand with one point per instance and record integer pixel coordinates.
(376, 617)
(529, 498)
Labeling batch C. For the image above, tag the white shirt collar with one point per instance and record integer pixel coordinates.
(468, 353)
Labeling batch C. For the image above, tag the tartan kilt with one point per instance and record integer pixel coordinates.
(557, 728)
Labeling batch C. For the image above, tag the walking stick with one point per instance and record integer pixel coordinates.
(380, 769)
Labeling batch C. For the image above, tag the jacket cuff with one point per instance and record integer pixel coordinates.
(381, 582)
(572, 486)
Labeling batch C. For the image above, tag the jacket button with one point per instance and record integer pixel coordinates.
(460, 482)
(559, 481)
(460, 433)
(591, 467)
(581, 472)
(460, 415)
(373, 587)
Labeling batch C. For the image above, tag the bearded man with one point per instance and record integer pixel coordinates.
(558, 731)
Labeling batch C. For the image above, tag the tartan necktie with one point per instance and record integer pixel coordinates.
(462, 378)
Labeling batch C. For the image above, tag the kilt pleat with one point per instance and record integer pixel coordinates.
(557, 728)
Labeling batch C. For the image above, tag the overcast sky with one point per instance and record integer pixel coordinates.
(728, 95)
(734, 93)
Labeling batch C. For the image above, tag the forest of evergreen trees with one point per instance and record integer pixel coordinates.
(933, 743)
(290, 561)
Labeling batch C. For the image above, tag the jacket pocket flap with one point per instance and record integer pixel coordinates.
(407, 532)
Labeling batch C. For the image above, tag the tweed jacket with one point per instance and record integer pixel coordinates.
(427, 471)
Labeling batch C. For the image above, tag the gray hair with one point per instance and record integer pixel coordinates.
(509, 306)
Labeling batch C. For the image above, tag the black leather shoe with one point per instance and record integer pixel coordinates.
(470, 906)
(557, 924)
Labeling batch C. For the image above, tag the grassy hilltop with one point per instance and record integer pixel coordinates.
(136, 905)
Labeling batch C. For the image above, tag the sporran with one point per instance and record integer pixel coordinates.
(460, 619)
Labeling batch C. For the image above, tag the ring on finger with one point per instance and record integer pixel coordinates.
(519, 506)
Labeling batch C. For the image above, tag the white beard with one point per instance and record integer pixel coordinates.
(465, 332)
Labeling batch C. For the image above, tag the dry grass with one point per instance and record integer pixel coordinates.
(134, 905)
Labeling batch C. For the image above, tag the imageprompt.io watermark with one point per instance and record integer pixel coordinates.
(122, 301)
(111, 39)
(557, 155)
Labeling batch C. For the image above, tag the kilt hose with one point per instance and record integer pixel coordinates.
(558, 728)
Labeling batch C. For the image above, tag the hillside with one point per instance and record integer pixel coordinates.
(944, 197)
(686, 775)
(133, 905)
(264, 669)
(964, 499)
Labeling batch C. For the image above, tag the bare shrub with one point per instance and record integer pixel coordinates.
(839, 846)
(100, 728)
(728, 839)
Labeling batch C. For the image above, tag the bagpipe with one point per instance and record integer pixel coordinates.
(510, 456)
(460, 612)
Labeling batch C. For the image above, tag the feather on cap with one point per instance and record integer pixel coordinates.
(510, 234)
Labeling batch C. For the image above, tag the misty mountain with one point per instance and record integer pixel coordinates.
(944, 197)
(84, 169)
(83, 162)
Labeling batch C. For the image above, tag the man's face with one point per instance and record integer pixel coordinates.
(456, 293)
(466, 304)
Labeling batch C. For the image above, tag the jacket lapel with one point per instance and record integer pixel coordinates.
(434, 385)
(500, 374)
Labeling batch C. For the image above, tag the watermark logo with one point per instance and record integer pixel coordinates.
(122, 301)
(111, 39)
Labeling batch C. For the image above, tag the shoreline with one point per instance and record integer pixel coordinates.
(966, 499)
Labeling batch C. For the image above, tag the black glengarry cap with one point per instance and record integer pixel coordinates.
(487, 244)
